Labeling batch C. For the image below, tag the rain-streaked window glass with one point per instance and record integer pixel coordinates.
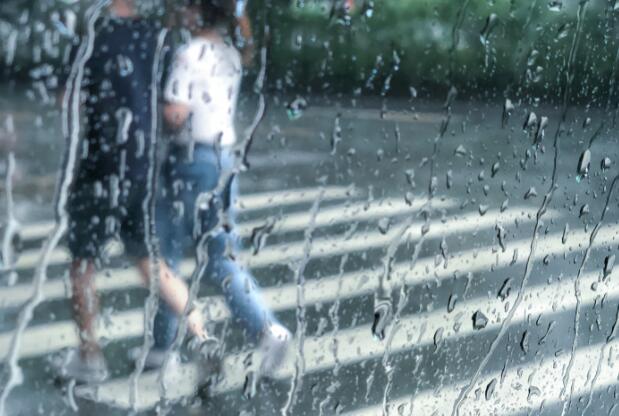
(309, 207)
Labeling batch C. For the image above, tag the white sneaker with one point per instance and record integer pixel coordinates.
(273, 349)
(72, 365)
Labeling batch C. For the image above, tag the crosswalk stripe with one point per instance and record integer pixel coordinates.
(357, 344)
(359, 211)
(53, 336)
(286, 252)
(519, 390)
(346, 212)
(249, 202)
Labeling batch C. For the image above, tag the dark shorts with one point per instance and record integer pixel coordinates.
(100, 211)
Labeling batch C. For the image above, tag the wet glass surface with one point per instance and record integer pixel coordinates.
(425, 199)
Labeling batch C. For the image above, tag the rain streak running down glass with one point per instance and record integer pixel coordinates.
(309, 207)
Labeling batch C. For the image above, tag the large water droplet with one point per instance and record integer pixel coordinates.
(531, 193)
(508, 109)
(584, 162)
(479, 320)
(609, 263)
(524, 342)
(584, 210)
(384, 224)
(383, 314)
(491, 22)
(505, 289)
(260, 234)
(490, 388)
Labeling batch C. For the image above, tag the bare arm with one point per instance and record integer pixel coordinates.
(246, 33)
(175, 115)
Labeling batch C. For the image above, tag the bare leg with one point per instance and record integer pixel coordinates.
(85, 305)
(175, 292)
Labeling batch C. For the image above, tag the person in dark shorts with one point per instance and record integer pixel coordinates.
(111, 192)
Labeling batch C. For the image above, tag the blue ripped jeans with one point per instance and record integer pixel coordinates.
(182, 181)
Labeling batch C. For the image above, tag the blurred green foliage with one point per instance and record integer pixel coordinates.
(484, 48)
(429, 45)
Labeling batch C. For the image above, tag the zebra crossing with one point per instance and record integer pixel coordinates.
(593, 365)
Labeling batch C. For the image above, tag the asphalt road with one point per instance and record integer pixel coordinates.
(485, 286)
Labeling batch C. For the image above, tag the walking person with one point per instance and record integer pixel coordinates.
(201, 97)
(110, 190)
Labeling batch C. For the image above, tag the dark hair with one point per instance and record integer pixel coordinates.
(215, 12)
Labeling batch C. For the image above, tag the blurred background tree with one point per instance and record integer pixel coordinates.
(498, 48)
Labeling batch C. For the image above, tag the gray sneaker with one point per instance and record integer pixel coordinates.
(72, 365)
(273, 349)
(208, 356)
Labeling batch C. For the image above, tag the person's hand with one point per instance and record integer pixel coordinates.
(247, 55)
(175, 115)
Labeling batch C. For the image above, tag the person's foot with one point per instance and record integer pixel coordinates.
(273, 349)
(83, 368)
(207, 354)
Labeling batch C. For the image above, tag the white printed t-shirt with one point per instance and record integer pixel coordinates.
(206, 76)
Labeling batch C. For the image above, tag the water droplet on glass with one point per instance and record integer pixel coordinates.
(541, 129)
(555, 5)
(409, 197)
(124, 117)
(433, 185)
(500, 233)
(438, 337)
(504, 205)
(495, 169)
(505, 289)
(483, 209)
(609, 263)
(605, 164)
(125, 66)
(383, 313)
(491, 22)
(566, 231)
(410, 177)
(479, 320)
(451, 303)
(260, 234)
(531, 193)
(508, 109)
(490, 388)
(584, 162)
(584, 210)
(562, 33)
(460, 151)
(530, 122)
(296, 107)
(524, 342)
(533, 391)
(384, 224)
(336, 134)
(250, 385)
(451, 96)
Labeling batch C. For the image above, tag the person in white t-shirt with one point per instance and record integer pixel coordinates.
(198, 187)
